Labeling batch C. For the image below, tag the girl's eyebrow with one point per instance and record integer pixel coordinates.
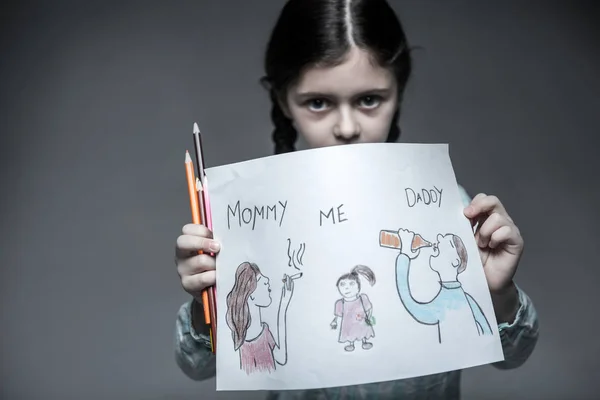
(313, 94)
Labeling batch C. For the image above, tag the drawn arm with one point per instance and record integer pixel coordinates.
(280, 351)
(367, 305)
(425, 313)
(338, 312)
(482, 322)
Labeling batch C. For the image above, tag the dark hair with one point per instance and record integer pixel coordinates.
(461, 250)
(363, 270)
(315, 32)
(238, 311)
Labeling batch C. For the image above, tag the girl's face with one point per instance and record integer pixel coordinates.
(348, 288)
(353, 102)
(261, 296)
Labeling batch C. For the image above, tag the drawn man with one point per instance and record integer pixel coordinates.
(454, 312)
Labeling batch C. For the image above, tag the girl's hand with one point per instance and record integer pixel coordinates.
(333, 325)
(197, 271)
(499, 240)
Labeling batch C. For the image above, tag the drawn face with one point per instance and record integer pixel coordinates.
(261, 296)
(350, 103)
(348, 288)
(445, 259)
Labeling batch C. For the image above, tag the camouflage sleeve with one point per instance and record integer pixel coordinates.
(192, 350)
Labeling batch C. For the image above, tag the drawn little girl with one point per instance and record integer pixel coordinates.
(354, 309)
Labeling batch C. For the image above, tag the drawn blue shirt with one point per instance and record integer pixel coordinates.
(451, 306)
(518, 338)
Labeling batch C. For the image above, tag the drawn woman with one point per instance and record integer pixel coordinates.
(354, 309)
(252, 337)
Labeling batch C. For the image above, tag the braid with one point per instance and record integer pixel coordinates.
(284, 134)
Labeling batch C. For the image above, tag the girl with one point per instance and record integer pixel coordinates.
(251, 336)
(354, 309)
(336, 71)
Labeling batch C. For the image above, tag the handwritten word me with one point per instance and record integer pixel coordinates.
(249, 215)
(424, 196)
(332, 215)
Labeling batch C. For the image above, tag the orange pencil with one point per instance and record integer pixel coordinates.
(189, 167)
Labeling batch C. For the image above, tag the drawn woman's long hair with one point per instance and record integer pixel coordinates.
(355, 273)
(238, 310)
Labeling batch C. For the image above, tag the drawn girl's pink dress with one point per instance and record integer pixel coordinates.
(354, 326)
(257, 354)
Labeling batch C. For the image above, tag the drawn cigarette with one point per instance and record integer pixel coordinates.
(291, 278)
(391, 239)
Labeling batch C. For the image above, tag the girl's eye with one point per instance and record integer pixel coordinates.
(370, 102)
(317, 104)
(352, 283)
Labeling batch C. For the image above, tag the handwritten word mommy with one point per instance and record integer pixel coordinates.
(248, 216)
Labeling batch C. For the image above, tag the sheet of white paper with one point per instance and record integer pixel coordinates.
(318, 216)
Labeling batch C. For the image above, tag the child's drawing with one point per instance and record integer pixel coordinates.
(354, 310)
(252, 337)
(453, 311)
(295, 258)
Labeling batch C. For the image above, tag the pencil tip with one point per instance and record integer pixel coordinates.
(187, 156)
(196, 129)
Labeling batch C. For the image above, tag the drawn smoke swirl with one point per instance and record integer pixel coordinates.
(295, 257)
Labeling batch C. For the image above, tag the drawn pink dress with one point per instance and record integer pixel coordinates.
(257, 354)
(354, 326)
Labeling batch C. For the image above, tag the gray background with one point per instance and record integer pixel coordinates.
(97, 102)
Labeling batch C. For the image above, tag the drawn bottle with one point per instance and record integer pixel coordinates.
(392, 240)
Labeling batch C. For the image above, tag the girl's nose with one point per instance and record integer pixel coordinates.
(347, 128)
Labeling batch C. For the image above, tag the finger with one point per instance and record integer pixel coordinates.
(196, 264)
(189, 244)
(505, 234)
(478, 196)
(492, 223)
(196, 230)
(194, 284)
(484, 204)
